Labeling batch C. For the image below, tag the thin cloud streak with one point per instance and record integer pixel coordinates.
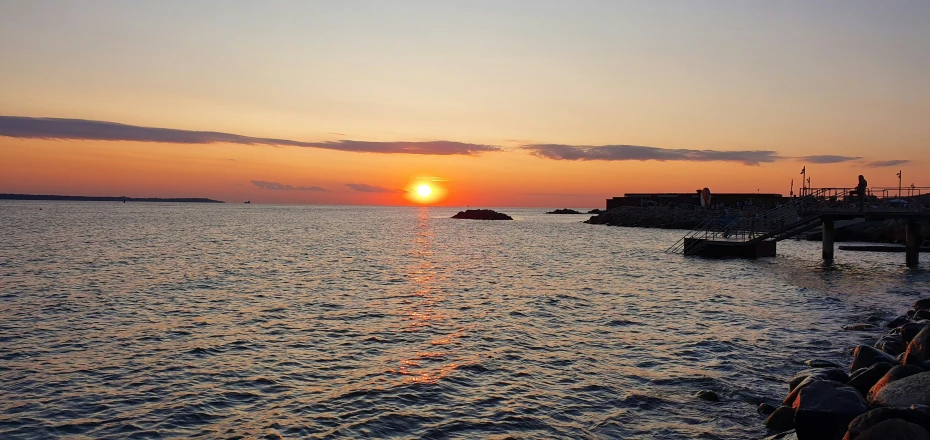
(828, 158)
(887, 163)
(641, 153)
(362, 187)
(81, 129)
(277, 186)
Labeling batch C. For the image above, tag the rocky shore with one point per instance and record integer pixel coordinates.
(884, 394)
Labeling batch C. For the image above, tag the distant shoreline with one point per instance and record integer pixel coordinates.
(47, 197)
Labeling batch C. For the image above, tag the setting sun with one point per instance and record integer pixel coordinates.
(424, 190)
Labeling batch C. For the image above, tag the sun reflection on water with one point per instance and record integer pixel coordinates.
(425, 314)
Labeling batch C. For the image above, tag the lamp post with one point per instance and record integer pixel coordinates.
(899, 184)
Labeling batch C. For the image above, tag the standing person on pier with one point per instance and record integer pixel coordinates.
(861, 189)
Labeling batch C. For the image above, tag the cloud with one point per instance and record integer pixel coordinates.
(277, 186)
(361, 187)
(635, 152)
(886, 163)
(81, 129)
(828, 158)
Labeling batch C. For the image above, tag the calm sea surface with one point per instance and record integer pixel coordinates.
(245, 321)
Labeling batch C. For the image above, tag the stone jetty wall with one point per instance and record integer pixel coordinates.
(884, 394)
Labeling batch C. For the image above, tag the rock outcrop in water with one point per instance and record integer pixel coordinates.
(564, 211)
(481, 214)
(653, 217)
(885, 396)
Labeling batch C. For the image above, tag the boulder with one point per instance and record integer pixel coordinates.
(781, 420)
(911, 329)
(897, 322)
(892, 344)
(865, 356)
(863, 379)
(897, 373)
(820, 363)
(867, 421)
(918, 350)
(823, 410)
(894, 429)
(481, 214)
(907, 391)
(835, 374)
(709, 396)
(922, 314)
(765, 409)
(922, 304)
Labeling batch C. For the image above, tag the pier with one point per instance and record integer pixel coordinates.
(757, 235)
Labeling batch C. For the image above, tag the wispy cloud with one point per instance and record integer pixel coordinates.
(828, 158)
(277, 186)
(81, 129)
(636, 152)
(361, 187)
(886, 163)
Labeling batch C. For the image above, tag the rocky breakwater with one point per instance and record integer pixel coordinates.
(668, 217)
(885, 394)
(481, 214)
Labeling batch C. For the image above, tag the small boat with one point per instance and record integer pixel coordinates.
(248, 201)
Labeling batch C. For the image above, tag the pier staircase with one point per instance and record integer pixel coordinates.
(755, 235)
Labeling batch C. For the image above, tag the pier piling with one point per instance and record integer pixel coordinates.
(912, 257)
(829, 233)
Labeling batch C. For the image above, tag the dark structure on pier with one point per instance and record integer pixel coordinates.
(757, 235)
(729, 199)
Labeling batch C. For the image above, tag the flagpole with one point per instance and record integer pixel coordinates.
(899, 184)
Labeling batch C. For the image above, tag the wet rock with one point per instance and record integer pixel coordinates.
(481, 214)
(781, 420)
(864, 379)
(910, 313)
(896, 373)
(787, 435)
(859, 327)
(765, 409)
(904, 387)
(892, 344)
(867, 421)
(793, 395)
(818, 363)
(834, 374)
(709, 396)
(823, 410)
(865, 356)
(909, 330)
(922, 304)
(897, 322)
(918, 350)
(922, 314)
(894, 429)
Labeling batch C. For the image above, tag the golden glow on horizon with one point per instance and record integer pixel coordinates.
(424, 191)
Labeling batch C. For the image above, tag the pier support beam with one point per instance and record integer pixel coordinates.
(829, 232)
(913, 243)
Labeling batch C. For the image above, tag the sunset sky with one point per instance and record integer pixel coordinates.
(495, 103)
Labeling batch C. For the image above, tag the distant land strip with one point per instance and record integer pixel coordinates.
(105, 199)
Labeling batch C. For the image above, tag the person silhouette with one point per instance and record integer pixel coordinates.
(861, 189)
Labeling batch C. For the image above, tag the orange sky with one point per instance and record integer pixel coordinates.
(793, 79)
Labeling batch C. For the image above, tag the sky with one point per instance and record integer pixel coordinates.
(493, 103)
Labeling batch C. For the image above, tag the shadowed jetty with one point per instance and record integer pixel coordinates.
(756, 236)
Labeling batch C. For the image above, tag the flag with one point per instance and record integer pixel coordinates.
(803, 170)
(899, 174)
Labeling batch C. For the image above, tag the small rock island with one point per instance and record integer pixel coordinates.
(564, 211)
(482, 214)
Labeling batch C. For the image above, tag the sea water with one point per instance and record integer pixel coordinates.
(244, 321)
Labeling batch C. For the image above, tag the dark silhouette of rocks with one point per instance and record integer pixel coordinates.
(564, 211)
(482, 214)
